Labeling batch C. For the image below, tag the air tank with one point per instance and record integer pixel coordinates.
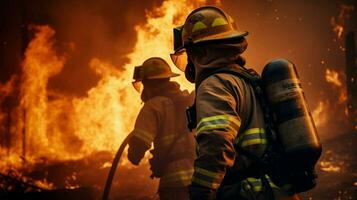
(296, 131)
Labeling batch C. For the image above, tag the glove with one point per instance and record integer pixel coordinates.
(201, 193)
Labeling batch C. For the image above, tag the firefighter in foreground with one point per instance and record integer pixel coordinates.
(162, 121)
(233, 139)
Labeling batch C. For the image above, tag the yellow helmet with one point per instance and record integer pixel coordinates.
(207, 23)
(204, 24)
(152, 68)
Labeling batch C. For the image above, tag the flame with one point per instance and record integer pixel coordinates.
(329, 167)
(320, 115)
(338, 22)
(155, 37)
(53, 126)
(41, 62)
(333, 77)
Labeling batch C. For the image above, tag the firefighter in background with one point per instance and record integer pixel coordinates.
(228, 112)
(162, 121)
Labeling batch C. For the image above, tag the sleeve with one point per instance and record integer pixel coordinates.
(218, 125)
(144, 133)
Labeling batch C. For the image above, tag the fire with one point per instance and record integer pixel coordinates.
(155, 37)
(338, 22)
(334, 78)
(319, 114)
(329, 167)
(53, 126)
(41, 62)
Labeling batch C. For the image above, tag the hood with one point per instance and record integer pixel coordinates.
(210, 57)
(167, 89)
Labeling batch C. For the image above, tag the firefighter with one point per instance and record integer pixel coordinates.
(208, 48)
(162, 121)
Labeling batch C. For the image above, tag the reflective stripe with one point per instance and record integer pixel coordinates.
(219, 22)
(168, 139)
(254, 142)
(183, 176)
(143, 135)
(253, 131)
(218, 122)
(253, 136)
(198, 26)
(204, 183)
(256, 184)
(207, 178)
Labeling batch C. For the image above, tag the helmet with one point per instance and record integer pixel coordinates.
(207, 23)
(152, 68)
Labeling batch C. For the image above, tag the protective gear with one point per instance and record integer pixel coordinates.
(203, 25)
(206, 24)
(295, 127)
(152, 68)
(230, 116)
(162, 121)
(231, 132)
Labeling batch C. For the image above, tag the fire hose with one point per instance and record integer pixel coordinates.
(115, 163)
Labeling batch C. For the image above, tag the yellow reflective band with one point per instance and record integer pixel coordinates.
(182, 172)
(217, 117)
(205, 183)
(180, 176)
(198, 26)
(211, 174)
(256, 184)
(218, 122)
(143, 135)
(253, 142)
(167, 139)
(219, 22)
(253, 131)
(213, 127)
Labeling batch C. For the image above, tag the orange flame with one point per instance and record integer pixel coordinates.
(319, 114)
(41, 62)
(61, 127)
(338, 22)
(334, 78)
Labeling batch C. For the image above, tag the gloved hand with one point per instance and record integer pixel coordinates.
(201, 193)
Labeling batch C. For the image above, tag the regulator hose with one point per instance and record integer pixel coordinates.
(115, 163)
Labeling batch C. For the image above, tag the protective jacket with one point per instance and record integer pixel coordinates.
(230, 116)
(162, 121)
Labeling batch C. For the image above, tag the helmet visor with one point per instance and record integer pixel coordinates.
(138, 86)
(179, 58)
